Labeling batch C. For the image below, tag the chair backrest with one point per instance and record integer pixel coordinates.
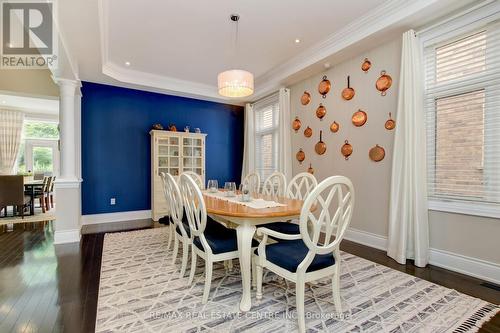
(51, 188)
(275, 184)
(46, 184)
(174, 199)
(301, 185)
(196, 177)
(195, 209)
(38, 176)
(11, 190)
(327, 209)
(252, 180)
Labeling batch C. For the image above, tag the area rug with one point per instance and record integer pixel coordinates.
(140, 291)
(38, 217)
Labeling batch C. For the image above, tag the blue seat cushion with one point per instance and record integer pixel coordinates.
(288, 228)
(220, 239)
(290, 254)
(164, 220)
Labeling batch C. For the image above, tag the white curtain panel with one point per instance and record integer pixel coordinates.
(285, 130)
(249, 142)
(408, 218)
(11, 127)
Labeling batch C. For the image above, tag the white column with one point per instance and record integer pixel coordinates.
(67, 186)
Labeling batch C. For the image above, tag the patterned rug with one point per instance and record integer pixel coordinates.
(140, 291)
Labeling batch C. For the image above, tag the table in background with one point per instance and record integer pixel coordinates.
(30, 187)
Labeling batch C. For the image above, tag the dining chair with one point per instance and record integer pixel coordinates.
(313, 254)
(211, 241)
(12, 194)
(275, 184)
(40, 194)
(167, 220)
(50, 193)
(182, 234)
(299, 188)
(252, 180)
(196, 177)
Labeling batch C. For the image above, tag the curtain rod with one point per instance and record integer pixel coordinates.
(462, 13)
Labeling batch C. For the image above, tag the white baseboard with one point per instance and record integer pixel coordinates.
(478, 268)
(116, 217)
(67, 236)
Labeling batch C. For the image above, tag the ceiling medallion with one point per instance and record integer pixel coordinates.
(235, 82)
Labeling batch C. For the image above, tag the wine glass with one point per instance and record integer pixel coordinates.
(230, 189)
(245, 192)
(213, 186)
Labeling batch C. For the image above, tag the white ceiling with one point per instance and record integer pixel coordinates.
(179, 47)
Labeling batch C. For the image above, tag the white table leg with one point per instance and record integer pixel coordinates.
(245, 232)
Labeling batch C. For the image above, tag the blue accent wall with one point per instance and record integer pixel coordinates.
(116, 156)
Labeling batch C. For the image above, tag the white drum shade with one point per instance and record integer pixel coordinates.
(235, 83)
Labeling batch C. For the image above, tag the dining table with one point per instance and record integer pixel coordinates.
(245, 220)
(30, 187)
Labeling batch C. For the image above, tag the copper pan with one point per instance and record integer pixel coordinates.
(348, 93)
(377, 153)
(320, 111)
(334, 127)
(310, 169)
(308, 132)
(365, 66)
(390, 124)
(346, 149)
(324, 86)
(296, 124)
(306, 98)
(320, 147)
(359, 118)
(384, 82)
(301, 156)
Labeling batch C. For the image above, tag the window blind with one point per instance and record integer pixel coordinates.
(266, 113)
(462, 104)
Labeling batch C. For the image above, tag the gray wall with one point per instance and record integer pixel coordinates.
(471, 236)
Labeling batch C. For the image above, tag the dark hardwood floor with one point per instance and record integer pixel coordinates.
(54, 289)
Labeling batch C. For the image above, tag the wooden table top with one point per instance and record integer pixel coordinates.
(227, 208)
(33, 182)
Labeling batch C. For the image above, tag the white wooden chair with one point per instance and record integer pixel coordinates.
(299, 188)
(252, 180)
(196, 177)
(182, 233)
(170, 225)
(274, 185)
(307, 257)
(211, 241)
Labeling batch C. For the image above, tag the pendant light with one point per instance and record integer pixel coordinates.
(235, 82)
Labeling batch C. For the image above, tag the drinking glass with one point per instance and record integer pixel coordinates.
(245, 193)
(230, 189)
(213, 186)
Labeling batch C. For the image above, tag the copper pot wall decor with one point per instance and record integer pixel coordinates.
(301, 156)
(365, 66)
(310, 169)
(306, 98)
(390, 124)
(320, 147)
(359, 118)
(334, 127)
(377, 153)
(308, 132)
(296, 124)
(348, 93)
(324, 86)
(346, 149)
(384, 82)
(320, 111)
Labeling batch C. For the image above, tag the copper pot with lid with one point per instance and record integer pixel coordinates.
(320, 111)
(348, 93)
(320, 147)
(324, 86)
(384, 82)
(306, 98)
(308, 132)
(296, 124)
(366, 65)
(301, 156)
(334, 127)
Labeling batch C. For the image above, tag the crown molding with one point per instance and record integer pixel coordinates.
(380, 18)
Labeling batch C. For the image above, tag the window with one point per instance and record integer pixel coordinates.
(266, 113)
(462, 103)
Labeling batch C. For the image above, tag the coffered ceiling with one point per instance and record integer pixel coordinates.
(179, 47)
